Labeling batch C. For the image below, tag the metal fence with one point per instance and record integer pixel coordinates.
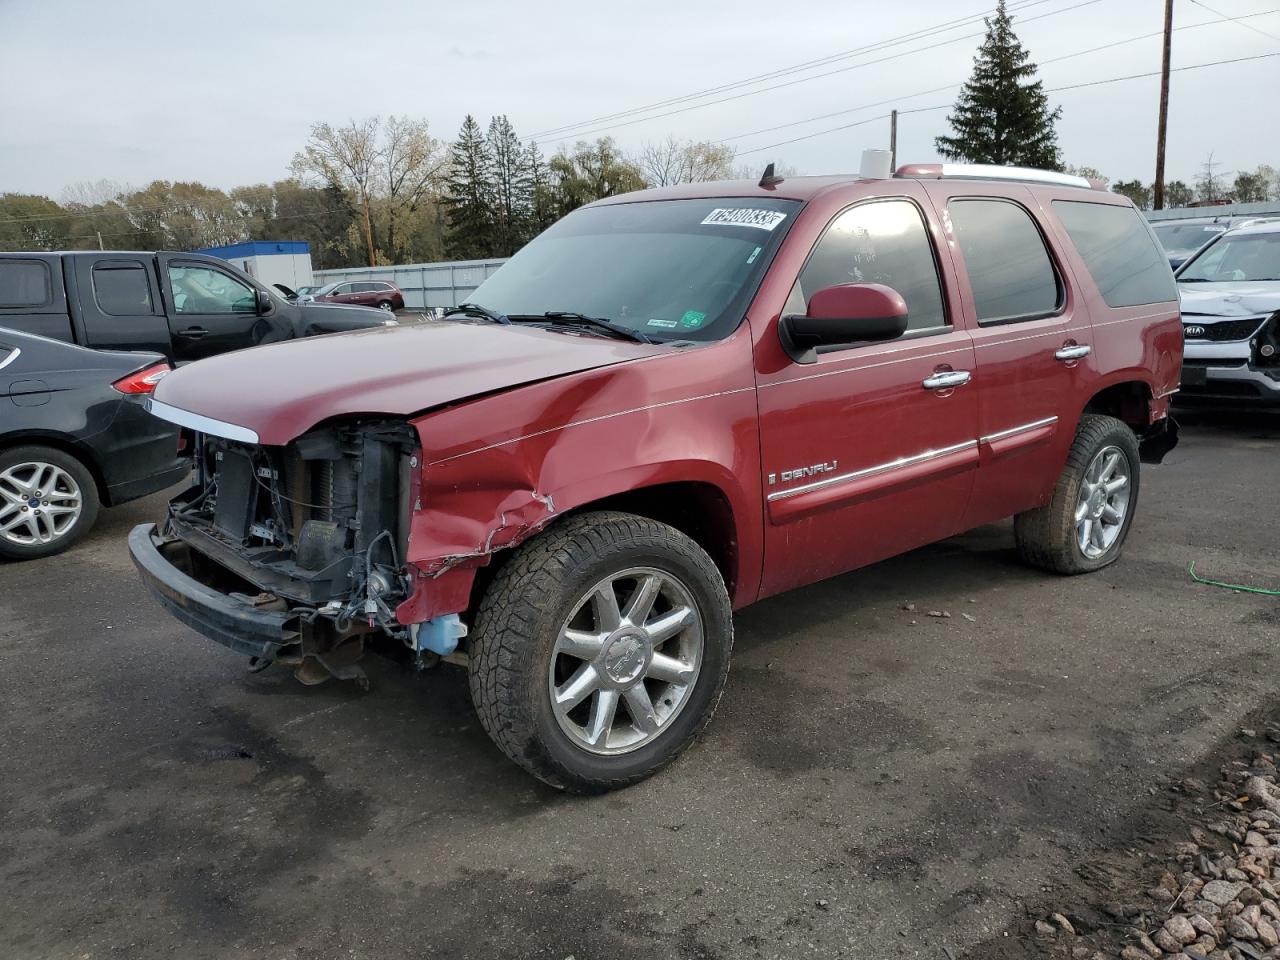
(425, 285)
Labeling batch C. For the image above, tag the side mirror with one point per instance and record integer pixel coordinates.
(263, 301)
(843, 314)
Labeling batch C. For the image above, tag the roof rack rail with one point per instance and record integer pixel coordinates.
(986, 171)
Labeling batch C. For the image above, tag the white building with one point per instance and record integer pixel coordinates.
(270, 261)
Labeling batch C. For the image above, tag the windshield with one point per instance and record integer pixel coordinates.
(1235, 257)
(1183, 239)
(670, 269)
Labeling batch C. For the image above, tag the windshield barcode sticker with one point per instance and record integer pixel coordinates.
(744, 217)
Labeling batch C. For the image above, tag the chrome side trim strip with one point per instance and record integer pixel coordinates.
(10, 358)
(872, 471)
(185, 418)
(1034, 425)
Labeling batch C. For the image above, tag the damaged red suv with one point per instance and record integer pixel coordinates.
(669, 405)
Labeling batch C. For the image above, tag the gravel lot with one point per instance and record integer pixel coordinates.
(871, 786)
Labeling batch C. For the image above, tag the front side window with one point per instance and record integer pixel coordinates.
(885, 242)
(1235, 257)
(122, 291)
(1009, 269)
(204, 290)
(1115, 243)
(670, 269)
(24, 283)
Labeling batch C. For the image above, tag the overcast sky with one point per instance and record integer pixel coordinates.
(224, 92)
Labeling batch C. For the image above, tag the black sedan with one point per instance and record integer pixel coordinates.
(74, 436)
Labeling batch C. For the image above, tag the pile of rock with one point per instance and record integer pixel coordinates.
(1221, 903)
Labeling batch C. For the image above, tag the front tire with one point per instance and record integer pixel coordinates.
(386, 305)
(48, 501)
(600, 651)
(1084, 526)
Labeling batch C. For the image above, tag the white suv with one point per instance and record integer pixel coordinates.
(1230, 292)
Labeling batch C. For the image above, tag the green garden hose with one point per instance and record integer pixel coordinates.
(1231, 586)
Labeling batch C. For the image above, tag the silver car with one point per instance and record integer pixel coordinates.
(1230, 292)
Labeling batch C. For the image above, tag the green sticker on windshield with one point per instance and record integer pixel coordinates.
(692, 319)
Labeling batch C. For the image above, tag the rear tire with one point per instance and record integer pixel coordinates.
(65, 498)
(1084, 525)
(589, 693)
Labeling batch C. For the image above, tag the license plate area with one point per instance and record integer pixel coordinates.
(1194, 376)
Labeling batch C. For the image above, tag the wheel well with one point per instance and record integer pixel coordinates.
(698, 510)
(9, 441)
(1129, 401)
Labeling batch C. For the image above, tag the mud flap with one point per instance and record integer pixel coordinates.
(1160, 438)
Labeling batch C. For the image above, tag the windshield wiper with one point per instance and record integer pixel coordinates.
(475, 310)
(570, 318)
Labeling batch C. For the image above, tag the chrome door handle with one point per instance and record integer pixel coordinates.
(947, 380)
(1067, 354)
(194, 333)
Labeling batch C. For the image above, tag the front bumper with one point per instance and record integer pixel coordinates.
(227, 619)
(1239, 383)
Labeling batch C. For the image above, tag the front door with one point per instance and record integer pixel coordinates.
(211, 311)
(1033, 341)
(871, 450)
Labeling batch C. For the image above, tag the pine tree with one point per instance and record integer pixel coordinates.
(509, 178)
(542, 200)
(468, 194)
(1002, 115)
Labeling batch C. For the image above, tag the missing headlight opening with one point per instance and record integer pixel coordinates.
(316, 528)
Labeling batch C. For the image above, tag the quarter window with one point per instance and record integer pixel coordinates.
(24, 283)
(204, 290)
(882, 241)
(1116, 245)
(1009, 269)
(122, 291)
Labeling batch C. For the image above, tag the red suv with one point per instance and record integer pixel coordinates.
(365, 293)
(669, 405)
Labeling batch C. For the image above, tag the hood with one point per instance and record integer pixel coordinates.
(282, 390)
(1244, 298)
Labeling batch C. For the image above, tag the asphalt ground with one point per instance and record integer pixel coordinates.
(870, 787)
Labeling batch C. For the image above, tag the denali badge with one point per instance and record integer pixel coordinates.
(1193, 331)
(799, 473)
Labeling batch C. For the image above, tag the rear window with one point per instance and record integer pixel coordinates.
(24, 283)
(1009, 268)
(122, 291)
(1123, 258)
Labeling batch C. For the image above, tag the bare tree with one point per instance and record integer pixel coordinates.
(673, 161)
(410, 163)
(345, 157)
(1210, 184)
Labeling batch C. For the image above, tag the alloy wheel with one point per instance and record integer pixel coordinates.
(625, 661)
(1103, 502)
(39, 503)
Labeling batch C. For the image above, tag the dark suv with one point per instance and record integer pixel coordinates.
(365, 293)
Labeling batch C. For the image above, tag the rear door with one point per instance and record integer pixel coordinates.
(120, 304)
(871, 450)
(1032, 336)
(211, 310)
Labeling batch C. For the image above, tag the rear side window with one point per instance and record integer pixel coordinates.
(24, 283)
(122, 290)
(1123, 258)
(1009, 268)
(883, 241)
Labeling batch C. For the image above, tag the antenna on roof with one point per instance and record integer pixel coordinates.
(770, 178)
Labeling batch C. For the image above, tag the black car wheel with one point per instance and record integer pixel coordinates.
(48, 501)
(386, 305)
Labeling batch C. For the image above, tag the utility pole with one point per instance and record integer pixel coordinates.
(100, 246)
(368, 228)
(1157, 193)
(893, 140)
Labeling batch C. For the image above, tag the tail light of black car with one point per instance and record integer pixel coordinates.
(142, 381)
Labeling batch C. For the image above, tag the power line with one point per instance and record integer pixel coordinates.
(1073, 86)
(952, 86)
(574, 131)
(781, 71)
(1240, 20)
